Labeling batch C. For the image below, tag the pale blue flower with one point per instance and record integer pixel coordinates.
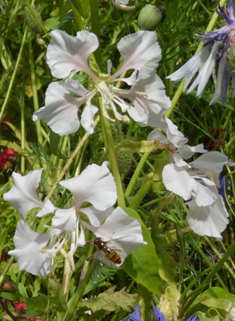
(158, 316)
(215, 54)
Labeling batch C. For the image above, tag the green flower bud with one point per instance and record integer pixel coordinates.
(31, 21)
(149, 17)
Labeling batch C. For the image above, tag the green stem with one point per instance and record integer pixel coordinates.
(22, 118)
(108, 138)
(219, 256)
(136, 174)
(7, 267)
(141, 194)
(77, 17)
(35, 93)
(73, 306)
(13, 74)
(181, 86)
(95, 27)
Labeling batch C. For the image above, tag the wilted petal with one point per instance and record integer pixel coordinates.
(140, 51)
(208, 220)
(23, 195)
(174, 135)
(28, 245)
(94, 185)
(66, 54)
(121, 232)
(60, 112)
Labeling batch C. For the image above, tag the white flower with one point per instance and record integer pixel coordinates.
(215, 52)
(28, 249)
(120, 233)
(208, 220)
(193, 181)
(67, 55)
(23, 195)
(198, 184)
(177, 141)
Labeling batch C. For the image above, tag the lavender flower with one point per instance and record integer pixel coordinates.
(158, 316)
(217, 51)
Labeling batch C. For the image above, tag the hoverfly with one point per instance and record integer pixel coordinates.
(109, 252)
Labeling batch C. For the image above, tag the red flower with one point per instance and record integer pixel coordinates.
(19, 306)
(219, 139)
(7, 157)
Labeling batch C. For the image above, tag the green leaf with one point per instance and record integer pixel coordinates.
(111, 301)
(143, 264)
(54, 143)
(36, 306)
(83, 7)
(57, 296)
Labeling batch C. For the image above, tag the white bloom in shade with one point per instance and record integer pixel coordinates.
(67, 55)
(196, 181)
(120, 233)
(177, 141)
(218, 45)
(23, 195)
(208, 220)
(28, 249)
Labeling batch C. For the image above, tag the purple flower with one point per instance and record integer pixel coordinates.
(216, 52)
(158, 316)
(224, 185)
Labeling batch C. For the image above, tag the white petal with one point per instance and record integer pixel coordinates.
(205, 71)
(75, 87)
(210, 220)
(121, 232)
(211, 162)
(178, 181)
(179, 162)
(23, 195)
(141, 52)
(95, 216)
(191, 67)
(205, 194)
(223, 80)
(27, 253)
(188, 151)
(65, 219)
(87, 117)
(157, 135)
(60, 112)
(148, 97)
(94, 185)
(48, 207)
(174, 135)
(66, 54)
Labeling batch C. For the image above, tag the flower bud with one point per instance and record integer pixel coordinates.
(149, 17)
(31, 21)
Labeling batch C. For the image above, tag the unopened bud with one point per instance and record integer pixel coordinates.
(149, 17)
(31, 21)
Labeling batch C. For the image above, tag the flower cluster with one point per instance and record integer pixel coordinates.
(157, 314)
(94, 186)
(218, 50)
(196, 182)
(142, 98)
